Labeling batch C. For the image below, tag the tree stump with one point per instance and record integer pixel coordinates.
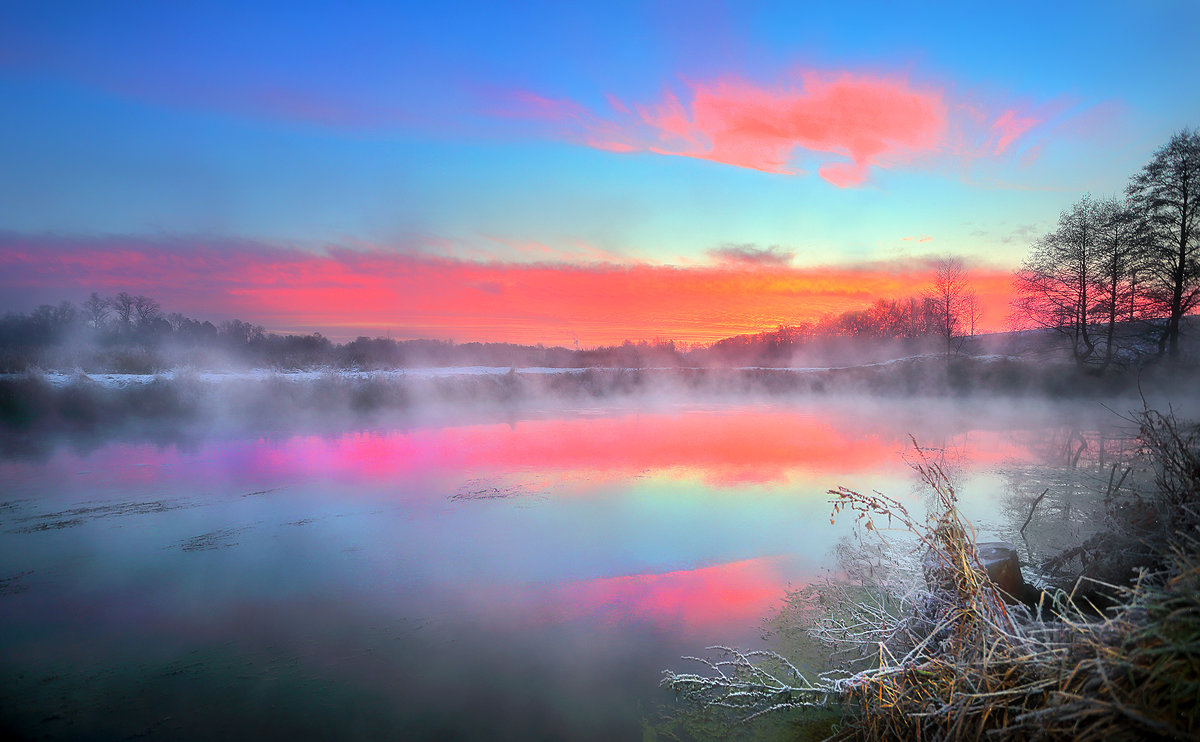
(1000, 561)
(998, 558)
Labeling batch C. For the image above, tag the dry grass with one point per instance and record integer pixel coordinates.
(950, 660)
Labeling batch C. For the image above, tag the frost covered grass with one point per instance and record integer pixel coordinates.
(936, 653)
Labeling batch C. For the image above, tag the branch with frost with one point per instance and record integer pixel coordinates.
(754, 682)
(885, 630)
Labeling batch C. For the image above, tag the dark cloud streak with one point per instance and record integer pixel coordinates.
(752, 255)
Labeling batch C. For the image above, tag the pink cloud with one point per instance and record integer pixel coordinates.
(616, 103)
(1009, 126)
(870, 121)
(844, 174)
(851, 123)
(536, 106)
(620, 147)
(1018, 130)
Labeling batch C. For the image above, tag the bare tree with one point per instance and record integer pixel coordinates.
(1166, 194)
(1119, 237)
(1055, 284)
(97, 309)
(973, 314)
(146, 310)
(123, 304)
(952, 300)
(241, 333)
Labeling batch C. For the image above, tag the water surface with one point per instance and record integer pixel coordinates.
(528, 579)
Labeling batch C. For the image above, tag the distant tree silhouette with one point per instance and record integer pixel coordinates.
(145, 311)
(1080, 279)
(1119, 240)
(952, 301)
(97, 309)
(123, 305)
(1134, 261)
(241, 334)
(1166, 195)
(1057, 283)
(973, 314)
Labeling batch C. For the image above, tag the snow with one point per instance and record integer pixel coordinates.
(118, 381)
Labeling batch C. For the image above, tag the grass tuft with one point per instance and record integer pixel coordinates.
(948, 659)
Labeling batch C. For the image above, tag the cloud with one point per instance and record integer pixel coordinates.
(990, 132)
(343, 292)
(1022, 234)
(851, 123)
(1009, 126)
(752, 255)
(864, 121)
(530, 104)
(534, 251)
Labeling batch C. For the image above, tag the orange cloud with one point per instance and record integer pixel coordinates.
(343, 293)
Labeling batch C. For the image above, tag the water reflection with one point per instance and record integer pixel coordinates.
(688, 601)
(723, 447)
(518, 580)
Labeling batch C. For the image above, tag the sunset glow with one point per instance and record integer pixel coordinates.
(564, 176)
(869, 120)
(344, 293)
(594, 370)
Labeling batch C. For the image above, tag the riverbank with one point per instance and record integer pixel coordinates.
(949, 656)
(73, 401)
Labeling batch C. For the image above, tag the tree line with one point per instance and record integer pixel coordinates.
(132, 334)
(1120, 272)
(948, 312)
(1114, 275)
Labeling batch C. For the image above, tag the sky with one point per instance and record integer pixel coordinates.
(562, 173)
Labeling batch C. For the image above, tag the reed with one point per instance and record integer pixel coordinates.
(946, 658)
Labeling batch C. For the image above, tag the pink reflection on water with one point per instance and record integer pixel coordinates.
(694, 600)
(731, 447)
(746, 446)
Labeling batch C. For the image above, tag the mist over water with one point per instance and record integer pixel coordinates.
(384, 371)
(517, 578)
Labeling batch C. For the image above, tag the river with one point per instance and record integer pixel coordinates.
(520, 578)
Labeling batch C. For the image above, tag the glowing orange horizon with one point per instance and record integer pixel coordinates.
(343, 293)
